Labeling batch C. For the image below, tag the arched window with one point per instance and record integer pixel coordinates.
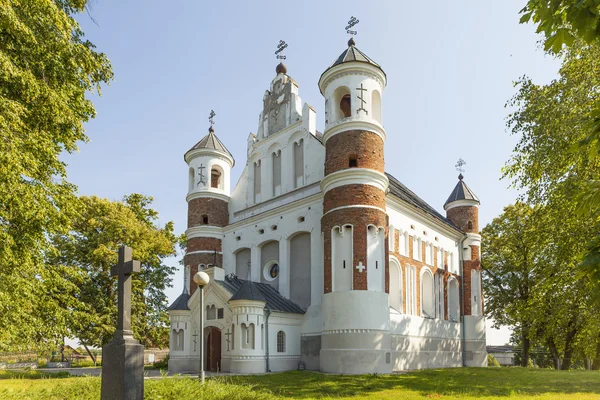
(191, 179)
(395, 297)
(342, 103)
(248, 337)
(298, 163)
(281, 342)
(205, 219)
(276, 159)
(469, 225)
(376, 105)
(453, 300)
(211, 312)
(427, 295)
(411, 289)
(257, 182)
(215, 178)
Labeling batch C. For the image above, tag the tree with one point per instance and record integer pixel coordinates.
(99, 227)
(46, 69)
(510, 255)
(568, 23)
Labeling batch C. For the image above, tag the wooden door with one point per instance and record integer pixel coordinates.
(213, 350)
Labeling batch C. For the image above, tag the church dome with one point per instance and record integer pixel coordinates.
(353, 54)
(211, 142)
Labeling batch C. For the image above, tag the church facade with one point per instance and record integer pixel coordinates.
(318, 258)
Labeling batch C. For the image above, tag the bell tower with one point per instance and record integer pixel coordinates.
(209, 168)
(355, 335)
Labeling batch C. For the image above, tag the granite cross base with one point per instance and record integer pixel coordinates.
(123, 368)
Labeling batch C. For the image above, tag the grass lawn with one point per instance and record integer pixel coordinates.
(459, 383)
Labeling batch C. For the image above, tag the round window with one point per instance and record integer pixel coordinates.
(271, 270)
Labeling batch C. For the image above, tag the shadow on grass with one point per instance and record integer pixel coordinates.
(459, 381)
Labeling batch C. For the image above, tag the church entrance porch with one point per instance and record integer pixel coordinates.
(213, 350)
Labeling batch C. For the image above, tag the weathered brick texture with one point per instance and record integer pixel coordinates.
(203, 243)
(366, 146)
(216, 210)
(354, 195)
(461, 216)
(210, 258)
(359, 219)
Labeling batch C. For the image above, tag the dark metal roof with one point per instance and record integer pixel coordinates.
(399, 190)
(353, 54)
(461, 192)
(181, 303)
(275, 301)
(248, 291)
(211, 142)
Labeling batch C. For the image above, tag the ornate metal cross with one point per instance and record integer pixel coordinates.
(360, 97)
(124, 269)
(279, 52)
(353, 21)
(211, 117)
(228, 338)
(459, 165)
(201, 174)
(195, 335)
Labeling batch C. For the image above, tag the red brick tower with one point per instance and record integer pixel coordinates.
(354, 223)
(210, 165)
(462, 208)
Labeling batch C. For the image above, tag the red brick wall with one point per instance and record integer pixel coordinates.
(460, 216)
(354, 195)
(216, 210)
(469, 265)
(193, 260)
(366, 146)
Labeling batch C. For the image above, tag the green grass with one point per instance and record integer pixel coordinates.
(460, 383)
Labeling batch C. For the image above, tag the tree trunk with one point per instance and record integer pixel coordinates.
(526, 346)
(554, 353)
(596, 361)
(569, 349)
(90, 354)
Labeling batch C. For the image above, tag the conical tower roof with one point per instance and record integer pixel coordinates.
(461, 192)
(181, 303)
(211, 142)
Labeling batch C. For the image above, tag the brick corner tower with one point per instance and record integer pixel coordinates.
(209, 164)
(462, 209)
(355, 336)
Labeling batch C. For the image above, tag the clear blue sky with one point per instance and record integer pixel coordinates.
(450, 68)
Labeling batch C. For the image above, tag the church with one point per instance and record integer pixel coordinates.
(319, 259)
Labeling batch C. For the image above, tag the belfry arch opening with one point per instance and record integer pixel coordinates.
(216, 178)
(342, 103)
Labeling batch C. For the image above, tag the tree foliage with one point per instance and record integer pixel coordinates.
(46, 69)
(99, 227)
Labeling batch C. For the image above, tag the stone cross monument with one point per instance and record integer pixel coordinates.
(123, 356)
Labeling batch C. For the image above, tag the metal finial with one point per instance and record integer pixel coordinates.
(279, 52)
(353, 21)
(459, 167)
(211, 117)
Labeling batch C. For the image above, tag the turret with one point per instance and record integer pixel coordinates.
(354, 223)
(209, 165)
(462, 209)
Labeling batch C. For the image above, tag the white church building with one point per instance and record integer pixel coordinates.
(319, 258)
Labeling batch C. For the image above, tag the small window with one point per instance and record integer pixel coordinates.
(274, 271)
(238, 238)
(300, 219)
(352, 162)
(261, 231)
(220, 313)
(469, 225)
(281, 342)
(205, 219)
(274, 228)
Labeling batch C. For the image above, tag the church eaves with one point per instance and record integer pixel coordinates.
(248, 291)
(461, 192)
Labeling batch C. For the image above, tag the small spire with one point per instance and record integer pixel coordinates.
(460, 177)
(351, 42)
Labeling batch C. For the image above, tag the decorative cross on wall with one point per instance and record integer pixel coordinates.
(195, 335)
(201, 174)
(459, 165)
(228, 338)
(279, 52)
(353, 21)
(124, 269)
(362, 100)
(360, 267)
(211, 117)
